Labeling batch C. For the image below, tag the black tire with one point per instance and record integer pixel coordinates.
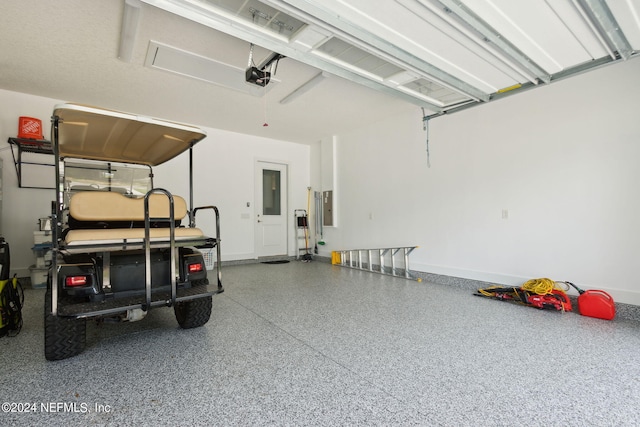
(194, 313)
(63, 337)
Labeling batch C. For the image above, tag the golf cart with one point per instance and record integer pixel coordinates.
(120, 246)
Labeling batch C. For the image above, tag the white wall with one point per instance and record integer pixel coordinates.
(223, 176)
(561, 159)
(21, 207)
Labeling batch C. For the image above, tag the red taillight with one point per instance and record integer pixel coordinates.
(76, 281)
(195, 268)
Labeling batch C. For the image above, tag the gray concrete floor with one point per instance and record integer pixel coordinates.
(314, 344)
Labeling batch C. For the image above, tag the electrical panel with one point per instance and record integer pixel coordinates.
(327, 208)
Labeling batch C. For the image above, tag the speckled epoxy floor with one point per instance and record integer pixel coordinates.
(314, 344)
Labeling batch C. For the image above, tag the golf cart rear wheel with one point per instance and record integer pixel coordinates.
(194, 313)
(63, 337)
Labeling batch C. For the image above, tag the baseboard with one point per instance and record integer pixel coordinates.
(623, 311)
(452, 277)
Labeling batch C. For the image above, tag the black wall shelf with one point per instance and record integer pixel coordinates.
(20, 147)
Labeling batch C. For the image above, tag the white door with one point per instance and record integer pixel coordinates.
(271, 209)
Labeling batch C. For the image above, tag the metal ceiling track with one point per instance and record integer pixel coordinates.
(227, 23)
(601, 20)
(467, 18)
(597, 15)
(312, 10)
(570, 72)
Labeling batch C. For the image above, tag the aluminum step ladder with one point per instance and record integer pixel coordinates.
(387, 261)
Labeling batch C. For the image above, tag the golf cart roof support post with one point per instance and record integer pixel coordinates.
(192, 218)
(57, 213)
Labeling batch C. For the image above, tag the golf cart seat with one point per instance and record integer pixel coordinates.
(110, 219)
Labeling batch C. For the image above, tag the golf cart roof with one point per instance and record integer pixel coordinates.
(92, 133)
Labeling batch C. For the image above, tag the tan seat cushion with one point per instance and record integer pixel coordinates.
(117, 235)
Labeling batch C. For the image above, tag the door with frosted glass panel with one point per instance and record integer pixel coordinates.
(271, 209)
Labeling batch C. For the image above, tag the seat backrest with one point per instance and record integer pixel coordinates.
(107, 206)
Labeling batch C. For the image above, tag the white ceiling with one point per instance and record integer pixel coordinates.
(372, 59)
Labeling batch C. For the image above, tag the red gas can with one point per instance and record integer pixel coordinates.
(596, 303)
